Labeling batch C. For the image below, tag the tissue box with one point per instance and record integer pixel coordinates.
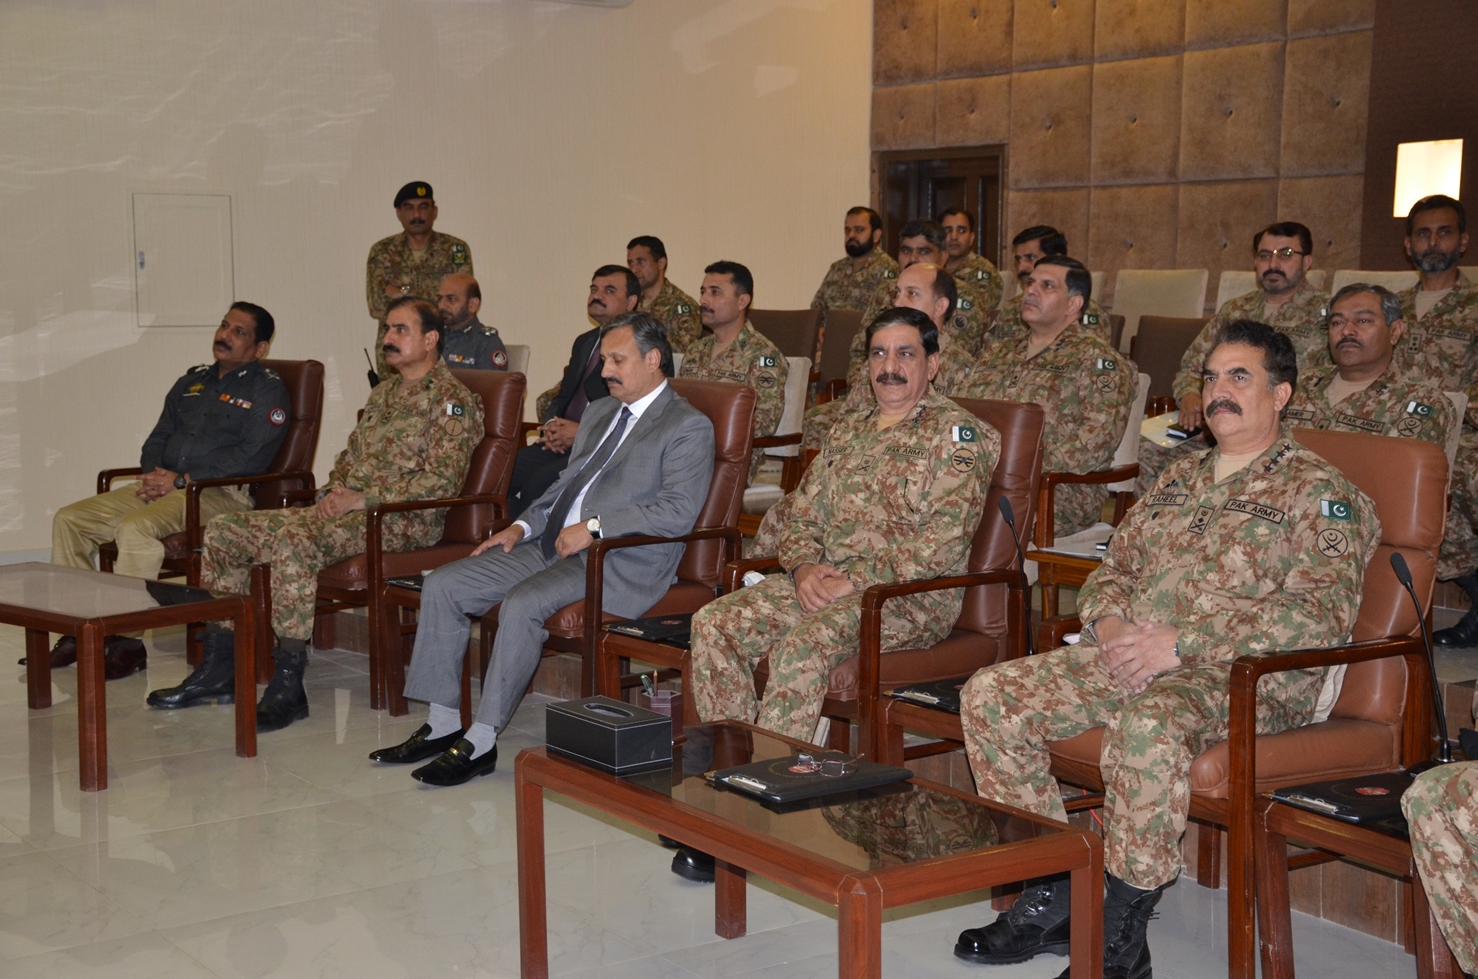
(607, 734)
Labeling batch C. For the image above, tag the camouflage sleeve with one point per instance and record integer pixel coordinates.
(374, 286)
(950, 500)
(543, 403)
(768, 381)
(683, 329)
(152, 453)
(449, 440)
(353, 451)
(260, 440)
(1094, 416)
(1188, 378)
(990, 290)
(800, 540)
(1318, 597)
(1436, 426)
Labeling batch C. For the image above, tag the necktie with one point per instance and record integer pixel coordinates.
(560, 512)
(575, 410)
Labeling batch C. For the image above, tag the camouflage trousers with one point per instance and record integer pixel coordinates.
(1442, 808)
(1011, 710)
(298, 543)
(733, 634)
(1154, 457)
(1459, 554)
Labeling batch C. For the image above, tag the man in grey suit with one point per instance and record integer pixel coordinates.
(640, 464)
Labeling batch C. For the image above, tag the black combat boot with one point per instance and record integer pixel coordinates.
(1127, 911)
(1036, 923)
(1465, 633)
(284, 700)
(214, 679)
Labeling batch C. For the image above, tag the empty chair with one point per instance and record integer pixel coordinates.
(794, 331)
(1394, 281)
(1159, 347)
(784, 444)
(518, 358)
(836, 345)
(1157, 292)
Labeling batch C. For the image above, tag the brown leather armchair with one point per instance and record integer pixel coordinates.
(835, 355)
(291, 469)
(471, 515)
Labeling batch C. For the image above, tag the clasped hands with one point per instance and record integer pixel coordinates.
(818, 585)
(572, 540)
(1134, 653)
(153, 485)
(557, 435)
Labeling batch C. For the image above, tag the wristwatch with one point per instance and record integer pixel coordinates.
(593, 525)
(179, 481)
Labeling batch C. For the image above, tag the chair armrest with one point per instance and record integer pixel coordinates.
(106, 477)
(737, 569)
(374, 524)
(776, 441)
(1043, 535)
(1055, 628)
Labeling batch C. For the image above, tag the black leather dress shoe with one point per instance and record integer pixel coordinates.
(456, 765)
(64, 653)
(417, 747)
(694, 865)
(1462, 635)
(124, 657)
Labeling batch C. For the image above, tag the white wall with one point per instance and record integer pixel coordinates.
(552, 133)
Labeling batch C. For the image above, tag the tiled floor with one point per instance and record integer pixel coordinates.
(310, 861)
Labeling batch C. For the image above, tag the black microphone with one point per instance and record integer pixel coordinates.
(1444, 752)
(1026, 586)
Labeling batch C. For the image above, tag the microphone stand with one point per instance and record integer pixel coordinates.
(1444, 750)
(1026, 588)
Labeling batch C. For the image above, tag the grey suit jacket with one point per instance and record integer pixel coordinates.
(656, 483)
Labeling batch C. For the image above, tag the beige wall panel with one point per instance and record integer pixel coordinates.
(1136, 120)
(1049, 126)
(1216, 23)
(904, 38)
(1217, 221)
(1231, 105)
(1052, 32)
(1132, 228)
(1138, 28)
(1331, 207)
(1323, 16)
(974, 37)
(1066, 210)
(1326, 97)
(973, 111)
(903, 117)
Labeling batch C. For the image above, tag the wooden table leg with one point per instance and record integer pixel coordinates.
(1274, 917)
(860, 929)
(38, 669)
(533, 921)
(92, 722)
(246, 680)
(730, 897)
(1085, 940)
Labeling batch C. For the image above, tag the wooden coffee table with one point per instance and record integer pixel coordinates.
(911, 842)
(47, 598)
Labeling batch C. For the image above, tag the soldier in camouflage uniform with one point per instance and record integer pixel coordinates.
(1282, 255)
(851, 281)
(413, 262)
(735, 351)
(1366, 392)
(1441, 346)
(413, 442)
(1255, 547)
(1086, 388)
(968, 265)
(896, 494)
(1442, 809)
(1030, 246)
(646, 256)
(470, 345)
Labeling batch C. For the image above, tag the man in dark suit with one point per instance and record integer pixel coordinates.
(640, 464)
(614, 290)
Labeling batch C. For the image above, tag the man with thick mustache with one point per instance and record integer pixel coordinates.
(414, 441)
(1255, 547)
(413, 262)
(614, 291)
(1282, 255)
(1441, 345)
(219, 420)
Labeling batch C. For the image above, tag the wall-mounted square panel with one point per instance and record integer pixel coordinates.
(1052, 32)
(904, 38)
(903, 117)
(1332, 209)
(1066, 210)
(973, 111)
(1326, 99)
(1132, 227)
(183, 260)
(1136, 121)
(1138, 28)
(1218, 220)
(1217, 23)
(1049, 126)
(1230, 112)
(1324, 16)
(974, 37)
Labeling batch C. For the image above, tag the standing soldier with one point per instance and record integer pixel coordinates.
(413, 442)
(1086, 388)
(646, 256)
(413, 262)
(965, 263)
(735, 351)
(1255, 547)
(851, 281)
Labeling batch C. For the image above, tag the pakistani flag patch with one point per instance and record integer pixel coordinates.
(1418, 409)
(767, 361)
(683, 309)
(966, 304)
(1334, 509)
(454, 409)
(965, 433)
(459, 254)
(1090, 319)
(1107, 364)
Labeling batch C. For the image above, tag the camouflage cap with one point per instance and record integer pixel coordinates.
(416, 189)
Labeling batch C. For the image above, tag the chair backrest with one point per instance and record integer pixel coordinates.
(796, 382)
(794, 331)
(491, 467)
(1098, 279)
(836, 343)
(1318, 278)
(1234, 283)
(1158, 348)
(518, 358)
(1394, 281)
(304, 381)
(1459, 401)
(1017, 476)
(1127, 454)
(1157, 292)
(1407, 479)
(730, 407)
(1116, 329)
